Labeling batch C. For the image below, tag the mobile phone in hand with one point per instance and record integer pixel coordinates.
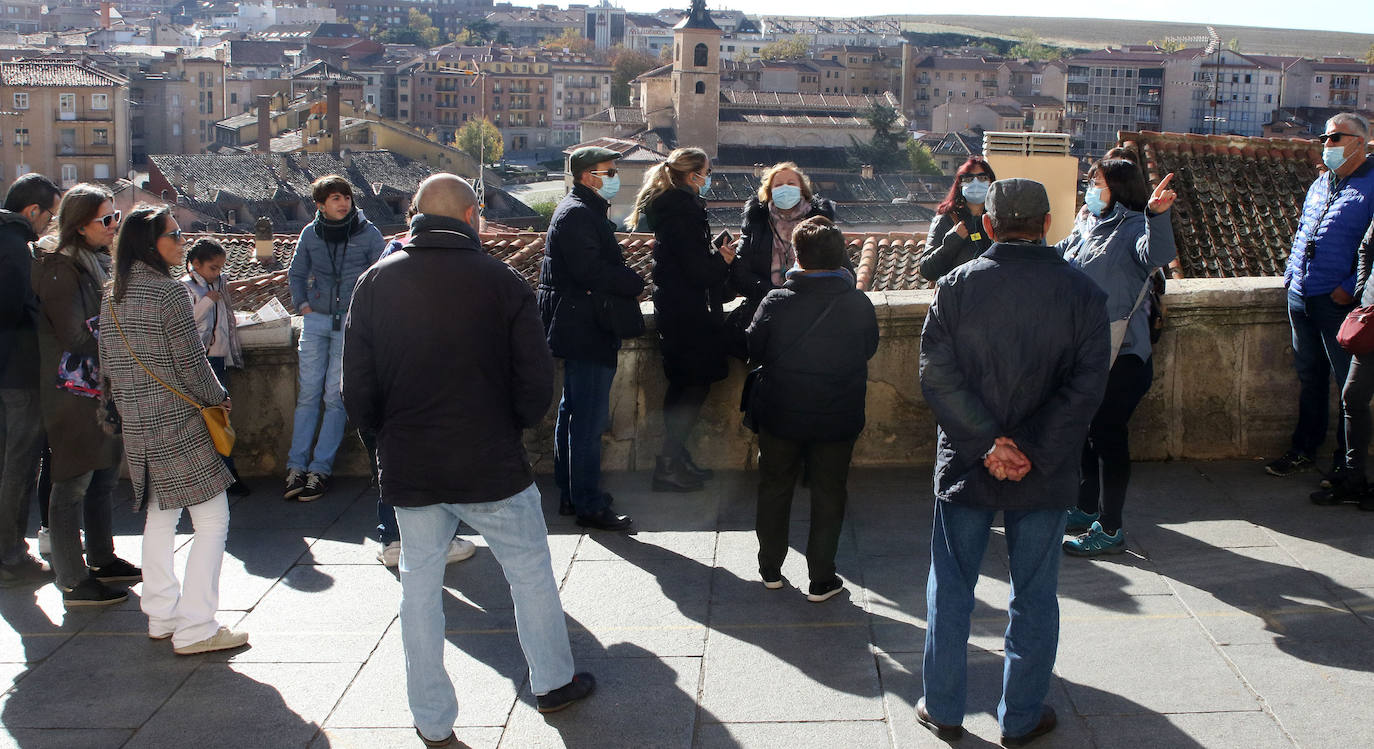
(722, 239)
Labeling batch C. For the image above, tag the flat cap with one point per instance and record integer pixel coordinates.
(585, 158)
(1017, 198)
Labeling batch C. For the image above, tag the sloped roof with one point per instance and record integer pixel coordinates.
(34, 73)
(1239, 199)
(775, 100)
(629, 150)
(618, 115)
(808, 157)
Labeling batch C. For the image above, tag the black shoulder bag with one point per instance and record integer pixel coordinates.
(749, 396)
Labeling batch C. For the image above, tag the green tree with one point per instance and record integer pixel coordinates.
(1167, 45)
(419, 29)
(1369, 56)
(570, 40)
(545, 209)
(791, 48)
(482, 30)
(1030, 47)
(1233, 45)
(626, 65)
(886, 150)
(481, 140)
(921, 159)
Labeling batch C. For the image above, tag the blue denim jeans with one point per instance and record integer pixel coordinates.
(514, 529)
(958, 540)
(583, 415)
(1318, 358)
(321, 377)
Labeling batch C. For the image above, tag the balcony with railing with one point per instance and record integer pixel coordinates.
(1083, 78)
(1346, 99)
(83, 114)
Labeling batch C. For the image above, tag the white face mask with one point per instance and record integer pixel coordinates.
(610, 186)
(786, 196)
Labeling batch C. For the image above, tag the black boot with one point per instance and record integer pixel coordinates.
(672, 475)
(1345, 487)
(705, 474)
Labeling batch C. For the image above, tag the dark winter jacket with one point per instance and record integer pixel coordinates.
(444, 357)
(1335, 214)
(582, 258)
(323, 273)
(18, 305)
(752, 271)
(689, 279)
(1016, 344)
(945, 249)
(814, 389)
(1364, 293)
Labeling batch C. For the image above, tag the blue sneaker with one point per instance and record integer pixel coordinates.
(1079, 521)
(1096, 542)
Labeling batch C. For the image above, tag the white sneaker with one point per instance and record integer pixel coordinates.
(390, 556)
(458, 550)
(44, 541)
(223, 639)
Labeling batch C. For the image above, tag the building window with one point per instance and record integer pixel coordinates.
(21, 170)
(66, 106)
(21, 101)
(700, 55)
(101, 171)
(68, 175)
(21, 136)
(100, 101)
(701, 87)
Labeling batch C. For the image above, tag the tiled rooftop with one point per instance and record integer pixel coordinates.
(1239, 198)
(46, 73)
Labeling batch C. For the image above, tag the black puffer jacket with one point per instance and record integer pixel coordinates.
(814, 389)
(689, 276)
(581, 256)
(946, 250)
(1015, 345)
(752, 272)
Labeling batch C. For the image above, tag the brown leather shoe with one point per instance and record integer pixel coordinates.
(1048, 720)
(944, 731)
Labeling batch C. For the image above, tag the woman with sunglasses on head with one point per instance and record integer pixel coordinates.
(155, 358)
(689, 277)
(1128, 236)
(85, 459)
(956, 235)
(214, 312)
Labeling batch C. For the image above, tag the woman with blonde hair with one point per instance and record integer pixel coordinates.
(688, 277)
(85, 458)
(785, 199)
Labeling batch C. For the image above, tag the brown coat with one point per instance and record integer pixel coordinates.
(68, 296)
(165, 439)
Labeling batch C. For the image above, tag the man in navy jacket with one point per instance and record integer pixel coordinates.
(1014, 362)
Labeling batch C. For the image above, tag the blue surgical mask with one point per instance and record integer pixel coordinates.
(1334, 157)
(976, 191)
(705, 187)
(786, 196)
(1092, 198)
(609, 187)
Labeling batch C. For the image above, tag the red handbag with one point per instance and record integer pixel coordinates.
(1357, 331)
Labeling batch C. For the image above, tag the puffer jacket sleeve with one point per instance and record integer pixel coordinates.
(300, 271)
(753, 228)
(1156, 246)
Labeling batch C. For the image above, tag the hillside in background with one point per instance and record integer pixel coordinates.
(1095, 33)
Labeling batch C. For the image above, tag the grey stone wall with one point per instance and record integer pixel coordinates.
(1224, 388)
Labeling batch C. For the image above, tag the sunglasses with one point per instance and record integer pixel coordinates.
(1333, 137)
(968, 178)
(606, 172)
(109, 219)
(175, 234)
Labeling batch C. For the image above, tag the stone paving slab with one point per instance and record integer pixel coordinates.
(1237, 618)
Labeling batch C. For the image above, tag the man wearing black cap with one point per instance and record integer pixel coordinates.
(582, 268)
(1014, 362)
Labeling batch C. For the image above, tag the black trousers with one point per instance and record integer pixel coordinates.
(681, 409)
(780, 463)
(1107, 453)
(1355, 397)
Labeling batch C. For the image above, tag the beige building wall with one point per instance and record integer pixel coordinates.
(696, 87)
(69, 133)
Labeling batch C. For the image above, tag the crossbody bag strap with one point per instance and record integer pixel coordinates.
(130, 348)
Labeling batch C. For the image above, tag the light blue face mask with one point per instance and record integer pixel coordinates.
(1334, 157)
(609, 187)
(786, 196)
(1092, 198)
(976, 191)
(705, 187)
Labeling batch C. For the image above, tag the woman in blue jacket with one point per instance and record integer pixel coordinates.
(1127, 237)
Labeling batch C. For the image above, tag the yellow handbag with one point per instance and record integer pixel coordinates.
(216, 417)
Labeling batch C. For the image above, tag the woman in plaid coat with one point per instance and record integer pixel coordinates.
(146, 321)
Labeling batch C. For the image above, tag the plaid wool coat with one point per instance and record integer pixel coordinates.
(165, 439)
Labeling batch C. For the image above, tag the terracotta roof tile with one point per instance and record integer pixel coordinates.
(51, 73)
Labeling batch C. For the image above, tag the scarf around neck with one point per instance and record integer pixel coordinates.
(336, 232)
(783, 222)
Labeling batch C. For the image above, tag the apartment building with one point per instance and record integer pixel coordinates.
(65, 120)
(930, 80)
(176, 102)
(1112, 90)
(1228, 92)
(1338, 83)
(450, 85)
(862, 70)
(581, 88)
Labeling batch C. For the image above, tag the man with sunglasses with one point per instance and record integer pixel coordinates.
(29, 208)
(583, 265)
(1320, 278)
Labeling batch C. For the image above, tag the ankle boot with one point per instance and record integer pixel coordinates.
(671, 475)
(705, 474)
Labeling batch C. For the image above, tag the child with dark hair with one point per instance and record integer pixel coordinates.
(214, 314)
(813, 338)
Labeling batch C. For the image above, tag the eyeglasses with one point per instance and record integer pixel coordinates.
(108, 219)
(968, 178)
(606, 172)
(175, 234)
(1333, 137)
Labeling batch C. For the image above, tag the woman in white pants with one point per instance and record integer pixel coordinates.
(152, 353)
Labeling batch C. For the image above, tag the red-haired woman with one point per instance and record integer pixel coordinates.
(956, 235)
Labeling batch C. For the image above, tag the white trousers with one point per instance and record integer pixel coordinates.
(186, 610)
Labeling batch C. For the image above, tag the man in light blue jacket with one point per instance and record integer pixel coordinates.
(332, 252)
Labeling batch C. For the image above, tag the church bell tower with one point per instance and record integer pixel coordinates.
(696, 79)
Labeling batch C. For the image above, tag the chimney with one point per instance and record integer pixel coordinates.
(344, 63)
(105, 9)
(331, 116)
(264, 124)
(190, 186)
(866, 171)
